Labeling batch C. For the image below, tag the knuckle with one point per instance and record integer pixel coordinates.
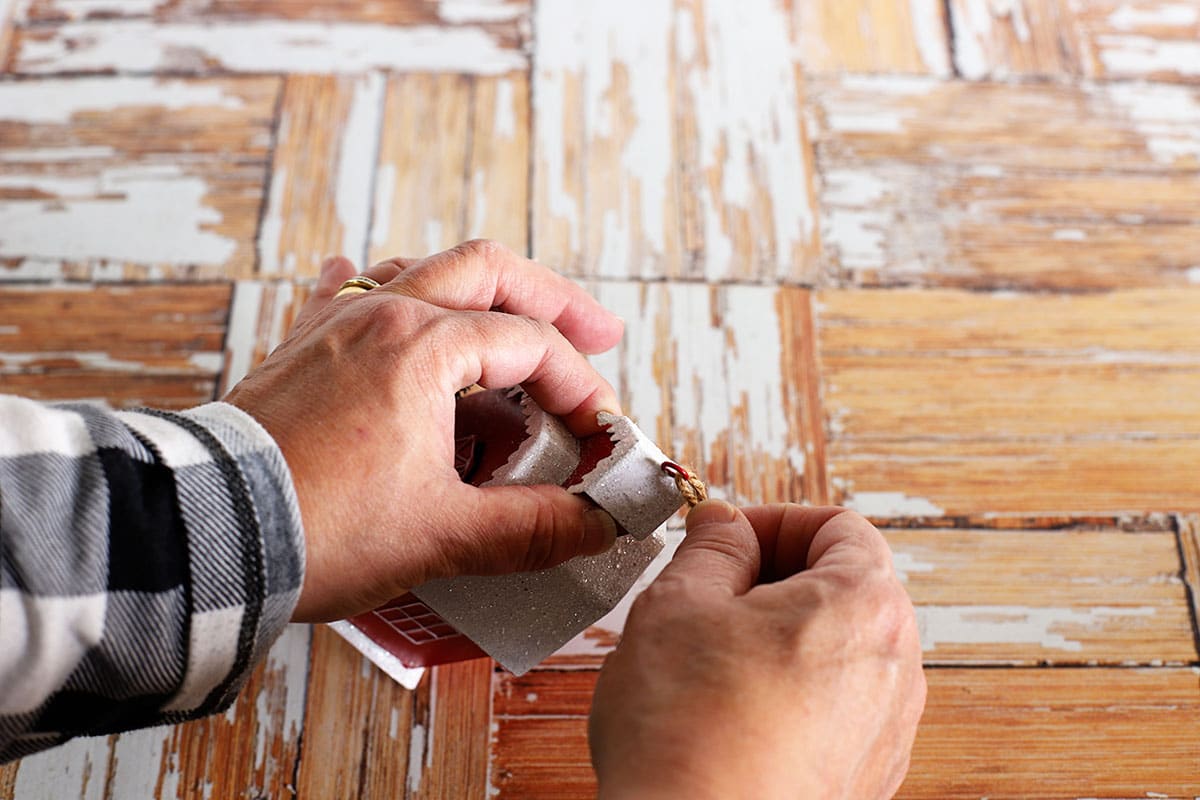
(483, 249)
(547, 534)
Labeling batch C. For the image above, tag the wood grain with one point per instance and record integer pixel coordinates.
(132, 178)
(659, 151)
(131, 346)
(62, 36)
(1000, 733)
(1189, 550)
(1003, 186)
(873, 36)
(472, 184)
(1087, 404)
(322, 173)
(1155, 39)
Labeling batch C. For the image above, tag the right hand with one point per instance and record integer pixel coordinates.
(776, 656)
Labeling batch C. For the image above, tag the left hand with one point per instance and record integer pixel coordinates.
(360, 400)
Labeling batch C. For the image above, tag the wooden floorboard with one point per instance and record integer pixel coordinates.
(1002, 733)
(936, 260)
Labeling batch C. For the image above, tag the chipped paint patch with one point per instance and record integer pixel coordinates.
(86, 218)
(356, 164)
(859, 109)
(1129, 17)
(944, 625)
(256, 46)
(929, 34)
(1168, 117)
(907, 563)
(416, 757)
(385, 191)
(57, 102)
(1193, 274)
(891, 504)
(1141, 55)
(55, 154)
(463, 12)
(1069, 235)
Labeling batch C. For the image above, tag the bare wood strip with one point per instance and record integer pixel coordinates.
(1154, 39)
(471, 184)
(343, 687)
(611, 199)
(457, 756)
(128, 345)
(324, 164)
(132, 178)
(1189, 547)
(993, 185)
(873, 36)
(1053, 733)
(900, 442)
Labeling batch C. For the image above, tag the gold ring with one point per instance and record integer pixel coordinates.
(357, 285)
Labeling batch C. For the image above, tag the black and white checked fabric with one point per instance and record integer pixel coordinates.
(147, 561)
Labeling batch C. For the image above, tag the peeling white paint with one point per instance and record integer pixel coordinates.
(356, 164)
(385, 192)
(265, 46)
(1069, 235)
(856, 218)
(143, 213)
(1193, 274)
(77, 769)
(997, 624)
(1168, 117)
(416, 758)
(929, 33)
(975, 34)
(504, 121)
(748, 125)
(56, 102)
(891, 504)
(905, 564)
(137, 758)
(271, 259)
(1129, 17)
(433, 236)
(1137, 56)
(241, 334)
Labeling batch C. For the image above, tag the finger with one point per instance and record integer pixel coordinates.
(335, 271)
(482, 275)
(503, 529)
(720, 550)
(794, 538)
(386, 271)
(500, 350)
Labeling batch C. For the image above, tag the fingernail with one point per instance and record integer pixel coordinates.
(599, 531)
(711, 512)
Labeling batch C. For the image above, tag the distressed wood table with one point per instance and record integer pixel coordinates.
(938, 261)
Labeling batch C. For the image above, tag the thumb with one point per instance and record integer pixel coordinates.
(720, 549)
(505, 529)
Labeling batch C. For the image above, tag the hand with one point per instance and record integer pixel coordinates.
(360, 400)
(776, 656)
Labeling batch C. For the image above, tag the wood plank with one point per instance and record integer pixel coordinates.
(503, 15)
(873, 36)
(322, 173)
(958, 403)
(1003, 733)
(1053, 597)
(131, 346)
(279, 37)
(261, 315)
(456, 757)
(453, 164)
(1013, 597)
(1155, 39)
(251, 750)
(709, 373)
(357, 724)
(132, 178)
(1021, 37)
(1007, 186)
(661, 152)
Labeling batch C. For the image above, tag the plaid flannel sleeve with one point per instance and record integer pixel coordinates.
(147, 562)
